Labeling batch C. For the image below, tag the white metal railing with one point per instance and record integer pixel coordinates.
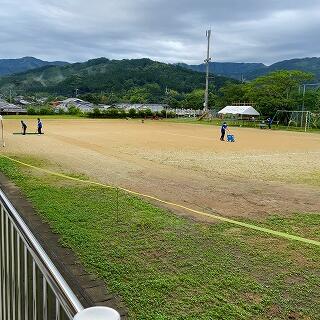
(31, 287)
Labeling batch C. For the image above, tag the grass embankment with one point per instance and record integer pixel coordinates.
(168, 267)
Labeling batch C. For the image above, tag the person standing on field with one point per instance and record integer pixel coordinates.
(39, 126)
(23, 127)
(224, 128)
(269, 122)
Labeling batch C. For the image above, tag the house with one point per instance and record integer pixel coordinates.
(9, 108)
(154, 107)
(22, 102)
(84, 106)
(189, 113)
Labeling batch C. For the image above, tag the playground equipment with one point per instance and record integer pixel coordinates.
(297, 119)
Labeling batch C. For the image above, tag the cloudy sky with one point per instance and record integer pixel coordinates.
(165, 30)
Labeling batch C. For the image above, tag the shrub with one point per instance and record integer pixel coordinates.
(132, 113)
(148, 113)
(141, 114)
(96, 112)
(113, 113)
(46, 111)
(31, 111)
(61, 111)
(73, 110)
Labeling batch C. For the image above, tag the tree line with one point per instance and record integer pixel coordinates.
(269, 93)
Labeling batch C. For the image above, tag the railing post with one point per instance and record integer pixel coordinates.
(98, 313)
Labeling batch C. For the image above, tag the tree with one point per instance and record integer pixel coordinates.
(137, 95)
(31, 111)
(194, 99)
(132, 113)
(276, 90)
(74, 110)
(230, 93)
(173, 98)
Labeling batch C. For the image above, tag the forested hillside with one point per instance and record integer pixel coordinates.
(106, 75)
(12, 66)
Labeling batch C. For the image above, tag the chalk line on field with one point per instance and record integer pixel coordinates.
(231, 221)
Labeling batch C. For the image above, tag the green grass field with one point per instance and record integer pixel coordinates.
(168, 267)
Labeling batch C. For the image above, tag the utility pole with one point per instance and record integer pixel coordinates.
(207, 62)
(304, 94)
(167, 100)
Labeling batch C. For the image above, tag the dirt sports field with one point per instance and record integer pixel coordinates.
(264, 172)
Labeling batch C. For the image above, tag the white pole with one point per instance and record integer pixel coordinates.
(307, 120)
(2, 136)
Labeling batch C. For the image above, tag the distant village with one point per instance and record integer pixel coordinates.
(20, 105)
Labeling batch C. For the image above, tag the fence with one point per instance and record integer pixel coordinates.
(31, 287)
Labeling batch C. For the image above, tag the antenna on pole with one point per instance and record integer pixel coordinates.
(207, 62)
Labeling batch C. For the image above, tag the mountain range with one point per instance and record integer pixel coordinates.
(238, 71)
(104, 75)
(29, 74)
(249, 71)
(12, 66)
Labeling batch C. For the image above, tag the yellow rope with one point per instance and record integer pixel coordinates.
(205, 214)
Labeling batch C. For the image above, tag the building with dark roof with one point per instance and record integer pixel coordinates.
(9, 108)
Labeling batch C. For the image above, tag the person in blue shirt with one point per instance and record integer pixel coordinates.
(224, 128)
(39, 126)
(269, 122)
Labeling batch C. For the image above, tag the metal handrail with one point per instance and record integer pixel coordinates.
(15, 232)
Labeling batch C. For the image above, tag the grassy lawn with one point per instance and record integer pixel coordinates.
(168, 267)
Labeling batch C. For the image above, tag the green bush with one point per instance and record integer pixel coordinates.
(148, 113)
(61, 111)
(141, 114)
(73, 110)
(46, 111)
(122, 114)
(96, 112)
(112, 113)
(31, 111)
(132, 113)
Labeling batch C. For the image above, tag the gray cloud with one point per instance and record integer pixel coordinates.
(170, 31)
